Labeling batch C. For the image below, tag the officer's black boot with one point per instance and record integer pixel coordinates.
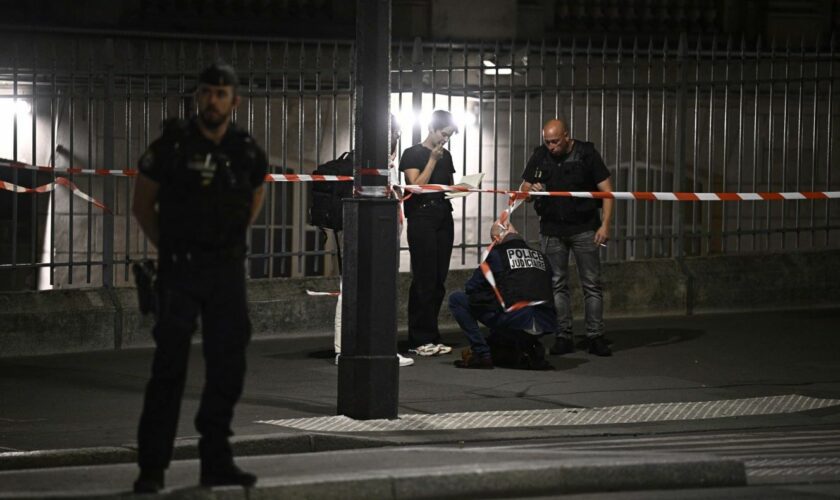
(227, 475)
(217, 467)
(599, 346)
(562, 345)
(149, 481)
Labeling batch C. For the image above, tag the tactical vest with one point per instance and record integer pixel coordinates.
(569, 175)
(206, 195)
(525, 275)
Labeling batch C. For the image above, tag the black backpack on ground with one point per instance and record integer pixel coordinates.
(526, 352)
(325, 208)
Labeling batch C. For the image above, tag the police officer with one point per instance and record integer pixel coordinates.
(572, 225)
(199, 188)
(522, 275)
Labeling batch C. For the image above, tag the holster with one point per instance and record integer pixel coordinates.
(144, 277)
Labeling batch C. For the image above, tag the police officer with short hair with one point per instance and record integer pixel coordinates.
(572, 225)
(200, 187)
(522, 276)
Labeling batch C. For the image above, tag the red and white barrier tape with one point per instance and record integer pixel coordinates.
(636, 195)
(59, 181)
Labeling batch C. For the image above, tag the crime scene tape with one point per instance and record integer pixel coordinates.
(46, 188)
(636, 195)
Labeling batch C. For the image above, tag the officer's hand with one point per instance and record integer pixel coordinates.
(537, 186)
(602, 235)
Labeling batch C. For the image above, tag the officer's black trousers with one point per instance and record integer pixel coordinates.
(430, 235)
(217, 294)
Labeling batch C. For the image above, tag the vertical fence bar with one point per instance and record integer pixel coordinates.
(785, 127)
(107, 162)
(285, 190)
(798, 187)
(617, 208)
(301, 260)
(631, 184)
(90, 133)
(770, 123)
(738, 185)
(557, 61)
(527, 107)
(647, 207)
(829, 142)
(679, 136)
(416, 88)
(268, 208)
(754, 205)
(696, 242)
(725, 159)
(129, 66)
(711, 153)
(51, 163)
(465, 53)
(541, 118)
(815, 142)
(15, 174)
(587, 96)
(147, 95)
(34, 175)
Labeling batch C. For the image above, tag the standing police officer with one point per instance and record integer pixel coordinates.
(200, 186)
(572, 225)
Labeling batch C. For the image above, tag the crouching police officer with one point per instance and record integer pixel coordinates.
(199, 188)
(522, 274)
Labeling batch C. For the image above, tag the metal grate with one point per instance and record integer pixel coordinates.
(655, 412)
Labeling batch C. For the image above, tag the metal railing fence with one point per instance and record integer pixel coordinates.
(703, 114)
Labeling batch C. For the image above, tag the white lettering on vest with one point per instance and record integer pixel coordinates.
(525, 258)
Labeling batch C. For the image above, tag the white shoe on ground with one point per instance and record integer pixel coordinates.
(404, 360)
(443, 349)
(425, 350)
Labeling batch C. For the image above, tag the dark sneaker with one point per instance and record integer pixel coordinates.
(229, 476)
(469, 360)
(599, 347)
(149, 481)
(562, 345)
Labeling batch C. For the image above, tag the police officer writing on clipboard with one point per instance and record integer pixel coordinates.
(200, 187)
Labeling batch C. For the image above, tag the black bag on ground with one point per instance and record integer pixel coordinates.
(325, 209)
(526, 352)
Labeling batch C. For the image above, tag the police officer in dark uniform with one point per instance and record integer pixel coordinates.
(572, 225)
(522, 276)
(200, 186)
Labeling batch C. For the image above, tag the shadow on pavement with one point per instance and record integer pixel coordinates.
(624, 340)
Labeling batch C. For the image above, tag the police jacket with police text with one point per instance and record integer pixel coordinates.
(521, 274)
(206, 189)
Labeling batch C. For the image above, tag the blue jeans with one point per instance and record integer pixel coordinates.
(497, 320)
(586, 251)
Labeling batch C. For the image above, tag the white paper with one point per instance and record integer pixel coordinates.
(472, 181)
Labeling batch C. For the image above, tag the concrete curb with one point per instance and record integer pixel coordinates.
(518, 474)
(505, 479)
(186, 449)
